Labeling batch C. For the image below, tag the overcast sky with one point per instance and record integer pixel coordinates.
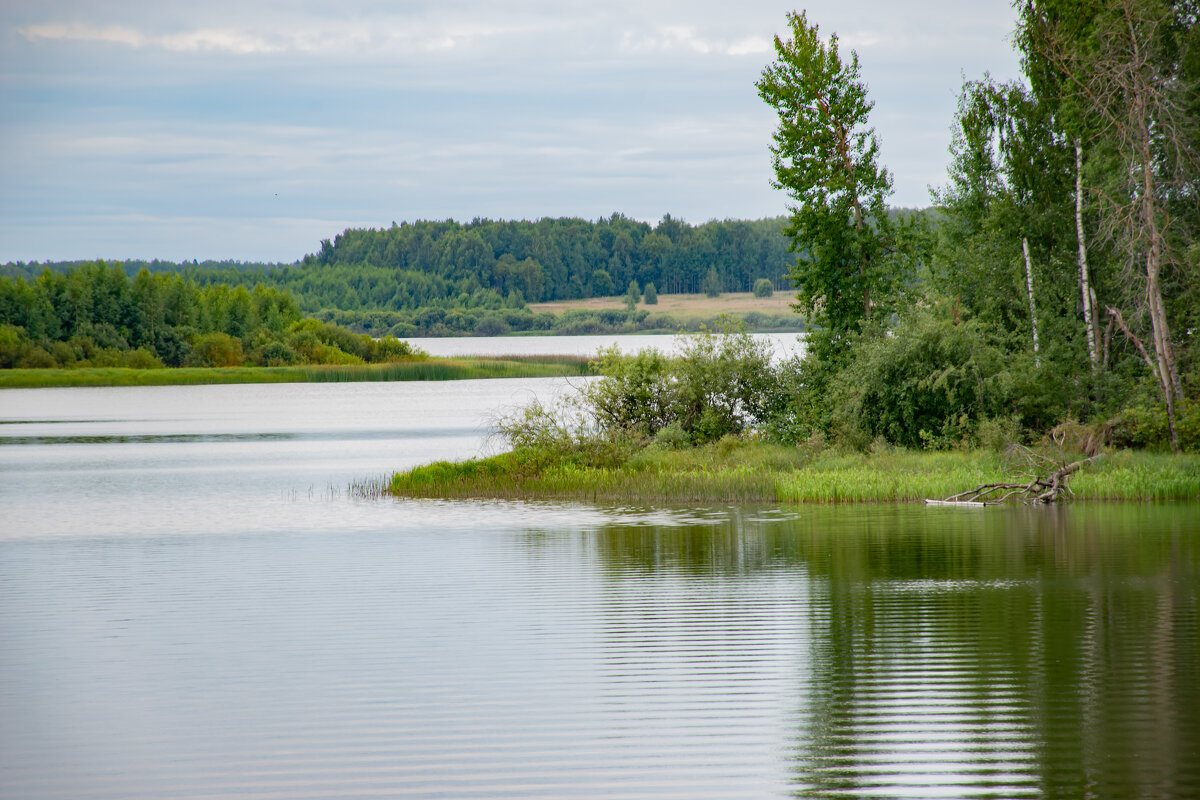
(252, 130)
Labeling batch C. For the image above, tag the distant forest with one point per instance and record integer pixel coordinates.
(489, 264)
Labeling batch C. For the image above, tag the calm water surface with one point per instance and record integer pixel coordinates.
(783, 345)
(192, 604)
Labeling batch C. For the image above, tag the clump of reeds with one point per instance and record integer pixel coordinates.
(1130, 475)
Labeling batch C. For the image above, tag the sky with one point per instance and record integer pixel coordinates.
(251, 130)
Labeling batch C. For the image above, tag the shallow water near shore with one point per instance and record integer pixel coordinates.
(193, 602)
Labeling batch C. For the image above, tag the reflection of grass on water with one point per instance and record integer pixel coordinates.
(738, 471)
(432, 369)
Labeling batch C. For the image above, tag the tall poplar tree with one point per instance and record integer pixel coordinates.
(824, 156)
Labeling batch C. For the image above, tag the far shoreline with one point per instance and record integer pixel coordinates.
(424, 369)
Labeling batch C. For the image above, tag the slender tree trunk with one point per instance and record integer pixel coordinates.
(1147, 204)
(1089, 314)
(1029, 290)
(1154, 366)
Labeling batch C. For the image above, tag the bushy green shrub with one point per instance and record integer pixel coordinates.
(141, 358)
(216, 350)
(1145, 426)
(650, 295)
(13, 344)
(279, 354)
(763, 288)
(927, 383)
(491, 325)
(390, 349)
(718, 385)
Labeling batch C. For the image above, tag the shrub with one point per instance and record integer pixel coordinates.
(1146, 426)
(13, 345)
(279, 354)
(36, 357)
(763, 288)
(650, 295)
(141, 358)
(928, 383)
(339, 338)
(215, 350)
(720, 384)
(491, 326)
(389, 349)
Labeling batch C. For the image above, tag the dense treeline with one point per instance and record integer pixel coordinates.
(557, 259)
(487, 264)
(96, 315)
(1062, 281)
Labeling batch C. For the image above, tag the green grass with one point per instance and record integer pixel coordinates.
(1140, 476)
(756, 472)
(431, 369)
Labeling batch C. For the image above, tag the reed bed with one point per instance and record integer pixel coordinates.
(892, 476)
(758, 472)
(432, 369)
(493, 478)
(1140, 476)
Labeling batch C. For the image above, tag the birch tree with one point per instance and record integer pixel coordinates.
(1121, 62)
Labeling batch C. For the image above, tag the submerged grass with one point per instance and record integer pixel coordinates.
(732, 471)
(431, 369)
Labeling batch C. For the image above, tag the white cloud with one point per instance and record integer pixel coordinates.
(207, 39)
(81, 32)
(676, 38)
(392, 37)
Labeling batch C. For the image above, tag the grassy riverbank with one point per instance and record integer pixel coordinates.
(430, 369)
(736, 471)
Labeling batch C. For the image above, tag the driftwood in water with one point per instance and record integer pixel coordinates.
(1047, 483)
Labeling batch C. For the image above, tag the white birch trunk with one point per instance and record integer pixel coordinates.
(1032, 306)
(1089, 313)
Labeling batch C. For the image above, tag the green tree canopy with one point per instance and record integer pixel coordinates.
(824, 156)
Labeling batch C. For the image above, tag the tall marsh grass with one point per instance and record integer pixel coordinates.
(432, 369)
(757, 472)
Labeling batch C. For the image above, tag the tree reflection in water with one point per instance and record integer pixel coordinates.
(947, 652)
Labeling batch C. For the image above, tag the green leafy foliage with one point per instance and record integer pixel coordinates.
(720, 384)
(930, 382)
(824, 156)
(96, 316)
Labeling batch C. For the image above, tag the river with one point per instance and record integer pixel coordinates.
(193, 603)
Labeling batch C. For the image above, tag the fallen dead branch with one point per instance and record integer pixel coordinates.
(1047, 483)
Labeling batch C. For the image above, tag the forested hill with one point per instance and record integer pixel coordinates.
(482, 263)
(565, 258)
